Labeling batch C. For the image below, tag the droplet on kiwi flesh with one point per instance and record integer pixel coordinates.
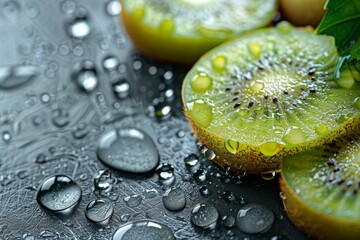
(332, 176)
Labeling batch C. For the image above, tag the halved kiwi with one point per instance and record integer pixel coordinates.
(266, 95)
(321, 189)
(181, 31)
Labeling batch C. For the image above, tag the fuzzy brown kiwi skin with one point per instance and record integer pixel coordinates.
(249, 158)
(313, 222)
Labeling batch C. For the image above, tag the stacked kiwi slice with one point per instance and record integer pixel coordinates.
(181, 31)
(321, 189)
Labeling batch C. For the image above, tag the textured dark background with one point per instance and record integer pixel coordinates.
(35, 33)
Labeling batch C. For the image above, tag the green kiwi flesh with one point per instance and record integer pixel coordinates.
(182, 30)
(268, 94)
(321, 189)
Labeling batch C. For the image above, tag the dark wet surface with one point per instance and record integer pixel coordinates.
(69, 76)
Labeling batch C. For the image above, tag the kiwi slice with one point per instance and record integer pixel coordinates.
(181, 31)
(321, 189)
(266, 95)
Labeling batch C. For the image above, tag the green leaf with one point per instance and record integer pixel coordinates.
(342, 21)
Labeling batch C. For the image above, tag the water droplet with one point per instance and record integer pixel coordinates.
(321, 128)
(168, 75)
(6, 136)
(80, 130)
(160, 109)
(209, 154)
(165, 171)
(122, 68)
(204, 215)
(11, 11)
(200, 175)
(254, 218)
(113, 8)
(204, 191)
(201, 113)
(137, 65)
(294, 136)
(78, 51)
(60, 118)
(128, 149)
(59, 193)
(268, 174)
(191, 160)
(357, 102)
(168, 94)
(99, 211)
(151, 193)
(203, 149)
(40, 158)
(79, 28)
(229, 196)
(343, 118)
(121, 88)
(201, 83)
(219, 63)
(231, 145)
(85, 75)
(254, 49)
(45, 98)
(144, 229)
(133, 200)
(269, 148)
(68, 7)
(28, 236)
(125, 217)
(11, 77)
(110, 63)
(103, 181)
(174, 199)
(228, 221)
(32, 10)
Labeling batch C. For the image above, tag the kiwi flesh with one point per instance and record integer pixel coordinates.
(321, 189)
(266, 95)
(181, 31)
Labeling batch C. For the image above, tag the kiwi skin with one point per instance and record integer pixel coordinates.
(314, 223)
(165, 48)
(249, 158)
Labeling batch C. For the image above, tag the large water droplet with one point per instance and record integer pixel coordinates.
(294, 136)
(254, 218)
(174, 199)
(204, 215)
(128, 149)
(144, 229)
(59, 193)
(11, 77)
(79, 28)
(133, 200)
(121, 88)
(113, 8)
(85, 76)
(99, 211)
